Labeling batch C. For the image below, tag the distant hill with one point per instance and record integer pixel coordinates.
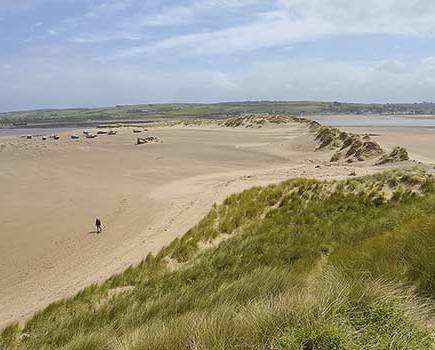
(217, 110)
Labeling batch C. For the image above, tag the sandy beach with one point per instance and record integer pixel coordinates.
(146, 195)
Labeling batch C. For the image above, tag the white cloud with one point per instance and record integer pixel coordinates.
(52, 32)
(429, 61)
(101, 38)
(108, 8)
(194, 11)
(344, 81)
(301, 20)
(80, 83)
(210, 57)
(393, 66)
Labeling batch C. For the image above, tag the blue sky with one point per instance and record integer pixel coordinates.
(72, 53)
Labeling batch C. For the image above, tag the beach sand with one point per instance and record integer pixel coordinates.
(146, 195)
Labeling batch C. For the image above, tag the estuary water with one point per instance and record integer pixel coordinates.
(36, 131)
(374, 121)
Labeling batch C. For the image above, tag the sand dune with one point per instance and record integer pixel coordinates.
(420, 142)
(146, 195)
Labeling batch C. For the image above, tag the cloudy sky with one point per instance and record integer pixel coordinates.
(69, 53)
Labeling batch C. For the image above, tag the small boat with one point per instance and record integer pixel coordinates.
(112, 132)
(19, 124)
(44, 138)
(90, 136)
(102, 132)
(137, 131)
(56, 137)
(29, 137)
(75, 137)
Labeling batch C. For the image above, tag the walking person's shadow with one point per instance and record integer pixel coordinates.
(95, 232)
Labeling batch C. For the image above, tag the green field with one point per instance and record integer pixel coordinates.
(304, 264)
(219, 110)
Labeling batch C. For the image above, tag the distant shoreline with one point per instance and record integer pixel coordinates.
(91, 124)
(424, 122)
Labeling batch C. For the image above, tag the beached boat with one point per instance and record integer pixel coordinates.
(17, 124)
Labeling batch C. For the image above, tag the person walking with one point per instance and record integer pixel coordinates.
(98, 225)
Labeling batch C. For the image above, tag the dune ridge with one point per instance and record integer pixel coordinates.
(348, 147)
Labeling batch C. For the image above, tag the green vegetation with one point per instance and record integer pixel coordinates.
(304, 264)
(218, 110)
(398, 154)
(251, 120)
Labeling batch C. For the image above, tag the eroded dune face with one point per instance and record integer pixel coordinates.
(348, 147)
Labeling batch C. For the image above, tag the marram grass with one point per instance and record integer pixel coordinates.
(304, 264)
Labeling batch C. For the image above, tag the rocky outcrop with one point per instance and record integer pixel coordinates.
(148, 139)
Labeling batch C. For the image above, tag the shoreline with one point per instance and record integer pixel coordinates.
(335, 120)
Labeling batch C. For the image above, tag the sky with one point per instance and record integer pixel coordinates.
(87, 53)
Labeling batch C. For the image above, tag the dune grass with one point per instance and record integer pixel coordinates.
(304, 264)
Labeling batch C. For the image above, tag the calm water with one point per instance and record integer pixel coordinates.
(35, 131)
(423, 123)
(378, 121)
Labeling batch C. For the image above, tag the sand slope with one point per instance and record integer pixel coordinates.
(145, 195)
